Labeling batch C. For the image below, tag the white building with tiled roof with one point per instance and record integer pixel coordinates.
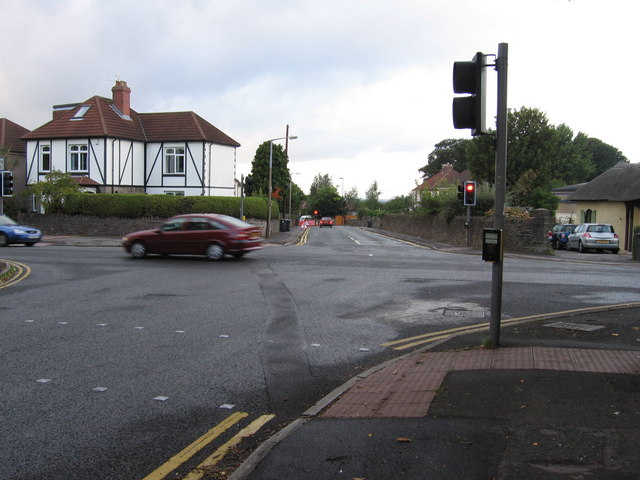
(110, 148)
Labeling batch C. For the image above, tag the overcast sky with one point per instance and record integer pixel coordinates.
(364, 84)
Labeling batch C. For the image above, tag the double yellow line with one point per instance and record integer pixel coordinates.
(22, 272)
(303, 238)
(213, 459)
(418, 340)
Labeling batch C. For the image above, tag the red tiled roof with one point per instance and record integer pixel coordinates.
(101, 120)
(446, 175)
(10, 134)
(84, 180)
(182, 126)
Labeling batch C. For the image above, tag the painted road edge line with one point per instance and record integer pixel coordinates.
(188, 452)
(219, 454)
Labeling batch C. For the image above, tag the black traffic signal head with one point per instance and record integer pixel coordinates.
(470, 111)
(470, 192)
(460, 192)
(7, 183)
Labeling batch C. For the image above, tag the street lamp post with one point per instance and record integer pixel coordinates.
(268, 229)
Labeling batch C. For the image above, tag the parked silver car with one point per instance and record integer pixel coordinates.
(594, 236)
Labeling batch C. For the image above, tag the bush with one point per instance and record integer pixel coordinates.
(163, 206)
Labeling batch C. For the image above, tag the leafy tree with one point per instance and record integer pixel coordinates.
(327, 201)
(398, 205)
(351, 200)
(324, 196)
(372, 196)
(603, 156)
(54, 190)
(321, 181)
(539, 155)
(450, 151)
(297, 198)
(280, 175)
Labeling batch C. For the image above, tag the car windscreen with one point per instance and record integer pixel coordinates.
(4, 220)
(600, 229)
(235, 222)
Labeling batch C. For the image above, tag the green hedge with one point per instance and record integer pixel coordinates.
(140, 205)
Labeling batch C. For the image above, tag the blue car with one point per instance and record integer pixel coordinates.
(559, 235)
(11, 232)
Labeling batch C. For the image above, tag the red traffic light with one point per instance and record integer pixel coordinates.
(315, 212)
(470, 192)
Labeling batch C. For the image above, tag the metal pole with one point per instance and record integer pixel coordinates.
(268, 229)
(286, 156)
(242, 197)
(290, 189)
(500, 184)
(468, 226)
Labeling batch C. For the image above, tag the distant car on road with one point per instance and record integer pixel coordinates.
(594, 236)
(559, 235)
(11, 232)
(207, 234)
(326, 222)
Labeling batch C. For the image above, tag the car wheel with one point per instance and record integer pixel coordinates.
(581, 248)
(237, 254)
(3, 240)
(615, 251)
(214, 252)
(29, 244)
(138, 250)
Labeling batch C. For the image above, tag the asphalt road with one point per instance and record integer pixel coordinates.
(111, 366)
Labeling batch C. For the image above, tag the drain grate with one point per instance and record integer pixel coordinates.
(450, 312)
(575, 326)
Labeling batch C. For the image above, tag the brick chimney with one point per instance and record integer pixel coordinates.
(122, 97)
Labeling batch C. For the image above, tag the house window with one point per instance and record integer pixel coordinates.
(174, 160)
(78, 158)
(45, 158)
(177, 193)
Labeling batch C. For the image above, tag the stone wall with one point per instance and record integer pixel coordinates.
(520, 235)
(80, 225)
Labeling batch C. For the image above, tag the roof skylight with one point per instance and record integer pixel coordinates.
(81, 112)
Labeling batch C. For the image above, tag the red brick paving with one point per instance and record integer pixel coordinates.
(406, 388)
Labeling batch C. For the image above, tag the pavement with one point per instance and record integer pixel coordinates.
(559, 399)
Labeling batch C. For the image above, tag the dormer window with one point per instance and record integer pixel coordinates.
(81, 112)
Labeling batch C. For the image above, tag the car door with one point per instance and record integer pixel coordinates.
(170, 237)
(200, 233)
(574, 237)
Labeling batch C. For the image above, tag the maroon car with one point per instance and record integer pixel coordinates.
(207, 234)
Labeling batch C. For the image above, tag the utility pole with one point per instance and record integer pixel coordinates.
(500, 184)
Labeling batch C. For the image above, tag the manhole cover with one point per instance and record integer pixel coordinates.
(448, 312)
(575, 326)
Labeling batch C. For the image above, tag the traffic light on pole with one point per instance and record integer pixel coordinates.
(7, 183)
(470, 111)
(470, 193)
(460, 192)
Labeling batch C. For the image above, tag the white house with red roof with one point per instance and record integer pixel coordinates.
(445, 178)
(110, 148)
